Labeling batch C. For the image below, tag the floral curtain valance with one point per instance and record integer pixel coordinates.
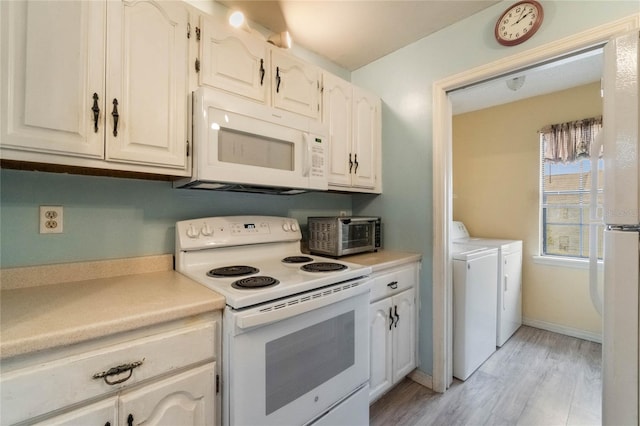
(567, 142)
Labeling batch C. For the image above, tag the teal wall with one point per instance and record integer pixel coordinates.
(404, 79)
(106, 218)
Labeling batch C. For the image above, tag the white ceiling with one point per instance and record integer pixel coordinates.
(561, 74)
(354, 33)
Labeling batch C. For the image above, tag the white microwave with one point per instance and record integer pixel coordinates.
(241, 145)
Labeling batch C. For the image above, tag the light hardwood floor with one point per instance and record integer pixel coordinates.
(536, 378)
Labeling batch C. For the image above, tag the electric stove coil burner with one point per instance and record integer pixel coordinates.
(232, 271)
(254, 282)
(297, 259)
(323, 267)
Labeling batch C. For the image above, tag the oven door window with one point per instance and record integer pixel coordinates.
(301, 361)
(357, 235)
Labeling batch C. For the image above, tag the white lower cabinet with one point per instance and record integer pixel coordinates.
(162, 375)
(392, 325)
(184, 399)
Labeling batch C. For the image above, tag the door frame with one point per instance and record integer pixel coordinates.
(442, 171)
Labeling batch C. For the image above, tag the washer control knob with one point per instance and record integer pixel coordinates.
(286, 227)
(206, 230)
(192, 232)
(294, 227)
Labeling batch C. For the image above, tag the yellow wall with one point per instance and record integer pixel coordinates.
(496, 192)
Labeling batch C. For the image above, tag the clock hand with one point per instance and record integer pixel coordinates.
(521, 18)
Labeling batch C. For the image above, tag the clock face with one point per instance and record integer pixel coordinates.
(519, 23)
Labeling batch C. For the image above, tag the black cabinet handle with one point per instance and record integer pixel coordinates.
(397, 317)
(96, 112)
(130, 420)
(115, 116)
(107, 424)
(262, 71)
(278, 79)
(393, 284)
(390, 318)
(356, 162)
(350, 163)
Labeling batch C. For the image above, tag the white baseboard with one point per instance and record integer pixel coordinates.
(421, 378)
(561, 329)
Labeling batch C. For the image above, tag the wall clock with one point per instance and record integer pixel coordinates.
(519, 22)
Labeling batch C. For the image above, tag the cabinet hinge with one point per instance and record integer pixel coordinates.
(198, 33)
(187, 148)
(197, 65)
(188, 29)
(217, 383)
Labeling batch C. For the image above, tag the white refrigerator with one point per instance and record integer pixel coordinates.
(621, 338)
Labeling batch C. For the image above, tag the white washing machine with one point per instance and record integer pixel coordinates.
(474, 307)
(509, 278)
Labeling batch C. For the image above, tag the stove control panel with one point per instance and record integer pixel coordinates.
(224, 231)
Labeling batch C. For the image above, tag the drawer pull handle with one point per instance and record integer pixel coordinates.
(393, 284)
(114, 371)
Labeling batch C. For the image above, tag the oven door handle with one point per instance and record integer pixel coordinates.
(303, 303)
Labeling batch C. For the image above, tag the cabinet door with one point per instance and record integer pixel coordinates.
(337, 112)
(380, 340)
(404, 334)
(100, 413)
(510, 309)
(52, 62)
(184, 399)
(295, 85)
(366, 138)
(147, 78)
(232, 60)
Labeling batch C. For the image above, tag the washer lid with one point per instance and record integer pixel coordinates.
(463, 252)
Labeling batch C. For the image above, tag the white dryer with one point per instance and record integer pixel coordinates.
(509, 278)
(474, 307)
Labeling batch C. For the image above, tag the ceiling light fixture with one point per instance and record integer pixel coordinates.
(515, 83)
(282, 39)
(236, 19)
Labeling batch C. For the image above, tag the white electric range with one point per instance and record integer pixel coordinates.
(295, 328)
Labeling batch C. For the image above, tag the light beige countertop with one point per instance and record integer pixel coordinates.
(94, 300)
(384, 259)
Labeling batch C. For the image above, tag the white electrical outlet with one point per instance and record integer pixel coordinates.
(51, 219)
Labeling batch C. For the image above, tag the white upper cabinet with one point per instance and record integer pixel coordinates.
(337, 115)
(366, 138)
(147, 77)
(295, 85)
(353, 118)
(241, 63)
(233, 60)
(53, 56)
(71, 70)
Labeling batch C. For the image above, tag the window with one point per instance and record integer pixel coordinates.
(566, 173)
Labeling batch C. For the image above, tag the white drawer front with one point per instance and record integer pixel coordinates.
(388, 284)
(39, 389)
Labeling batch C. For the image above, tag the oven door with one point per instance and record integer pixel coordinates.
(295, 367)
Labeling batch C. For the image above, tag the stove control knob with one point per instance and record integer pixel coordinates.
(206, 230)
(192, 232)
(286, 227)
(294, 227)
